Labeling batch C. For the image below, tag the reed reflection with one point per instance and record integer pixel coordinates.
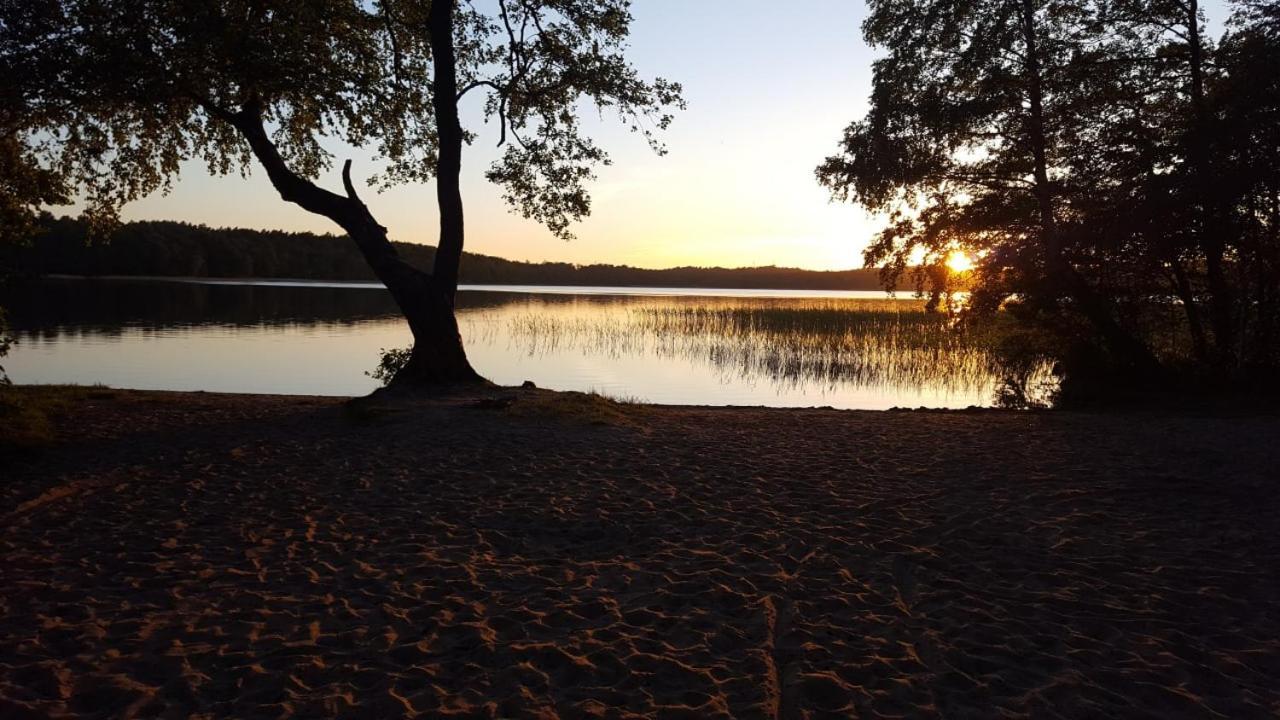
(843, 352)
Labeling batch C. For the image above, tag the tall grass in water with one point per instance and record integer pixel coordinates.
(891, 343)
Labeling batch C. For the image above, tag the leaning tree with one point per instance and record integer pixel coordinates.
(114, 95)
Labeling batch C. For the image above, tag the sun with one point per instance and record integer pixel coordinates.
(959, 261)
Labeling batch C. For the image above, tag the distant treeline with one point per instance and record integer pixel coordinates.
(185, 250)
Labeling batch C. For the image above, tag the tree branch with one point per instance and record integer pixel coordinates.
(291, 186)
(481, 83)
(347, 184)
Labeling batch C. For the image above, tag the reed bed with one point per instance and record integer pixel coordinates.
(890, 343)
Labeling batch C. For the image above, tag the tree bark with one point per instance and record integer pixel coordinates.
(438, 356)
(1127, 349)
(444, 98)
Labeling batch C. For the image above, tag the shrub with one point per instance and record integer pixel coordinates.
(390, 363)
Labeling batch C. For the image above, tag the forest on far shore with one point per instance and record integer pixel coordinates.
(176, 249)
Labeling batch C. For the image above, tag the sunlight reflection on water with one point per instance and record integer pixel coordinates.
(734, 348)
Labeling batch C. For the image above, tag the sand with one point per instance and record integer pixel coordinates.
(236, 556)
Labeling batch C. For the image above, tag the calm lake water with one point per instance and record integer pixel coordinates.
(662, 345)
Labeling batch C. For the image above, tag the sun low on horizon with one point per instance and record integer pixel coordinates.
(736, 187)
(959, 262)
(402, 359)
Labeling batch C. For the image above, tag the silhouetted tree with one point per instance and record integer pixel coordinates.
(117, 93)
(1100, 158)
(969, 113)
(24, 188)
(1174, 41)
(1244, 106)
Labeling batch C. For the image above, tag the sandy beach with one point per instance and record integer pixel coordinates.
(193, 555)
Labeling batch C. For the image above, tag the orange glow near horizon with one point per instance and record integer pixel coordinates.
(735, 189)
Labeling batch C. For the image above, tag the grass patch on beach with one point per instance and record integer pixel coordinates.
(588, 408)
(28, 412)
(371, 408)
(24, 424)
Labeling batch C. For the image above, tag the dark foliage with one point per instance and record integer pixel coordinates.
(1113, 170)
(182, 250)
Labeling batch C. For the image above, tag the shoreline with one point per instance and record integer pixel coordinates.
(526, 288)
(530, 553)
(1156, 405)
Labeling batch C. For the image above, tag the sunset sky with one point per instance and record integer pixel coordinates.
(769, 91)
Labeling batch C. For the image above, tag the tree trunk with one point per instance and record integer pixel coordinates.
(444, 98)
(1208, 230)
(1266, 264)
(1182, 285)
(438, 356)
(1127, 349)
(1181, 281)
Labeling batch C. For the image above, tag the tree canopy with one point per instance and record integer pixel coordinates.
(1096, 158)
(110, 97)
(113, 95)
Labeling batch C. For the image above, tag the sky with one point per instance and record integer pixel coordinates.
(769, 88)
(768, 94)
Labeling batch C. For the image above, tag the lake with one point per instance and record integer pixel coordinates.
(854, 349)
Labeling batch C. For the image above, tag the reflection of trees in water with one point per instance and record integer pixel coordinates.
(108, 306)
(888, 344)
(789, 342)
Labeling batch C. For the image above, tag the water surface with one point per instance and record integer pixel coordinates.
(665, 345)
